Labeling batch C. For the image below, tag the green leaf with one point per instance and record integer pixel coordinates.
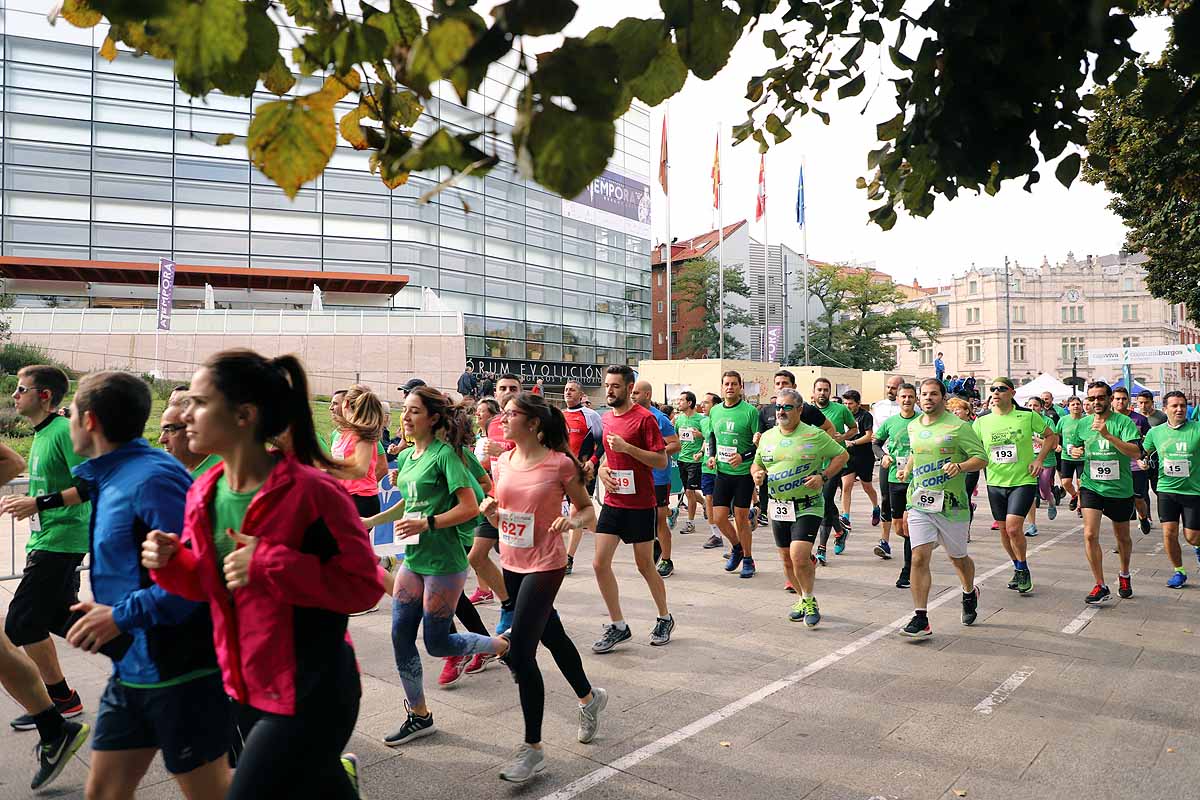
(401, 23)
(663, 78)
(438, 52)
(886, 131)
(262, 50)
(208, 38)
(777, 129)
(587, 73)
(771, 39)
(636, 42)
(444, 149)
(871, 29)
(133, 11)
(678, 13)
(705, 44)
(884, 217)
(853, 87)
(291, 141)
(1090, 101)
(850, 58)
(535, 17)
(1098, 162)
(225, 138)
(1159, 94)
(1126, 80)
(307, 12)
(278, 79)
(568, 150)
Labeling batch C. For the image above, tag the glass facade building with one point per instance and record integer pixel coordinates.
(110, 161)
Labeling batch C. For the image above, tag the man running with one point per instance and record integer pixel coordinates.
(173, 438)
(809, 415)
(487, 537)
(1177, 446)
(689, 425)
(892, 438)
(1145, 407)
(1122, 404)
(734, 427)
(861, 467)
(643, 395)
(1106, 442)
(1012, 471)
(792, 464)
(844, 428)
(944, 448)
(1045, 477)
(633, 448)
(708, 474)
(585, 433)
(1070, 469)
(881, 412)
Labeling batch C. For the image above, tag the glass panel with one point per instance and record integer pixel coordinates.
(35, 51)
(459, 240)
(41, 230)
(463, 262)
(510, 250)
(581, 355)
(543, 202)
(39, 129)
(410, 253)
(267, 244)
(505, 348)
(285, 222)
(146, 114)
(511, 270)
(228, 217)
(475, 346)
(44, 180)
(338, 181)
(225, 194)
(540, 332)
(473, 325)
(460, 220)
(216, 241)
(356, 205)
(44, 250)
(409, 230)
(425, 212)
(538, 313)
(33, 101)
(273, 197)
(535, 293)
(504, 190)
(509, 289)
(124, 88)
(367, 227)
(358, 250)
(549, 241)
(137, 236)
(129, 137)
(505, 230)
(46, 206)
(211, 170)
(64, 157)
(459, 282)
(461, 302)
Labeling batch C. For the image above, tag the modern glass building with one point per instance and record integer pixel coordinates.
(111, 162)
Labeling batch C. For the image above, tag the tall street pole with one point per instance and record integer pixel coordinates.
(1008, 317)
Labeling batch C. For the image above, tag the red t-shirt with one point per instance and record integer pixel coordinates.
(638, 427)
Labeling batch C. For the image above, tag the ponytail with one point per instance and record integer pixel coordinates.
(452, 422)
(552, 430)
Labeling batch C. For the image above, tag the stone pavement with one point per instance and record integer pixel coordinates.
(745, 704)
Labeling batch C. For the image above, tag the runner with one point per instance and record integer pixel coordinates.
(1122, 404)
(165, 691)
(533, 478)
(892, 437)
(1045, 492)
(454, 667)
(708, 475)
(962, 409)
(173, 438)
(643, 393)
(1177, 446)
(586, 433)
(633, 448)
(690, 426)
(357, 463)
(58, 536)
(767, 417)
(1145, 407)
(792, 464)
(861, 467)
(486, 408)
(844, 428)
(1070, 469)
(944, 448)
(1106, 442)
(881, 412)
(486, 535)
(734, 428)
(1013, 470)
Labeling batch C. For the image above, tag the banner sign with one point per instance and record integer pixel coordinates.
(166, 292)
(613, 201)
(774, 343)
(551, 372)
(383, 537)
(1163, 354)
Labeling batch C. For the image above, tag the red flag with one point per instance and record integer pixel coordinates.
(716, 174)
(662, 158)
(760, 206)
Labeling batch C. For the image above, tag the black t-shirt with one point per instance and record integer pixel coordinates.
(865, 423)
(809, 415)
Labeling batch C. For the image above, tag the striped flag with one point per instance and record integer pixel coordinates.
(716, 174)
(662, 159)
(760, 206)
(800, 200)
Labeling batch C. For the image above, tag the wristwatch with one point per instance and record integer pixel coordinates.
(429, 522)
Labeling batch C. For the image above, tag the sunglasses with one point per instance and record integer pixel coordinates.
(996, 389)
(171, 430)
(25, 389)
(787, 407)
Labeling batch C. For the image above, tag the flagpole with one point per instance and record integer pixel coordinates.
(666, 157)
(804, 242)
(720, 254)
(766, 268)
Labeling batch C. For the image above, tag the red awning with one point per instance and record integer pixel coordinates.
(278, 280)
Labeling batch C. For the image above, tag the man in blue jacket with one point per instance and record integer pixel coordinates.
(165, 692)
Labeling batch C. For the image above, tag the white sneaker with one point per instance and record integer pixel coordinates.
(527, 762)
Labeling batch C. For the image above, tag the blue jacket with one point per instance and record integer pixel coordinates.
(134, 490)
(662, 476)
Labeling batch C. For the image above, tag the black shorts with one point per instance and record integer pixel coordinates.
(885, 500)
(662, 494)
(689, 474)
(1118, 509)
(1141, 484)
(1070, 469)
(633, 525)
(898, 498)
(42, 603)
(487, 530)
(862, 464)
(1172, 507)
(192, 723)
(804, 529)
(1011, 500)
(367, 505)
(733, 491)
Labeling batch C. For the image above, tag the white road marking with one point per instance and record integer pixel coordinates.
(1080, 622)
(1003, 691)
(631, 760)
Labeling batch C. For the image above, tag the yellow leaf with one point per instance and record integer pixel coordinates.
(108, 50)
(399, 179)
(726, 744)
(335, 88)
(80, 14)
(225, 138)
(960, 792)
(291, 141)
(278, 78)
(350, 129)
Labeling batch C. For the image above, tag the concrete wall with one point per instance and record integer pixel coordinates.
(704, 375)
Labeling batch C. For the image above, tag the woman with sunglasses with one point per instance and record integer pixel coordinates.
(531, 480)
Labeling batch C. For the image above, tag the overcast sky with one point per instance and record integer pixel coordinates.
(982, 230)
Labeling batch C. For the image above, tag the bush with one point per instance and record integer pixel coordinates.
(159, 387)
(14, 355)
(13, 425)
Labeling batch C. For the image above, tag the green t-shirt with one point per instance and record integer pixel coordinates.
(1066, 431)
(894, 433)
(790, 459)
(706, 450)
(691, 437)
(1100, 458)
(839, 416)
(947, 440)
(210, 461)
(428, 484)
(733, 428)
(1178, 456)
(1000, 434)
(228, 511)
(51, 456)
(466, 531)
(1052, 427)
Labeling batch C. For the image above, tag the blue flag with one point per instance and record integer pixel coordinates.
(800, 200)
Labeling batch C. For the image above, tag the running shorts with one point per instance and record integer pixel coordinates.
(1070, 469)
(1172, 507)
(1141, 484)
(1011, 500)
(862, 464)
(707, 483)
(804, 529)
(1118, 509)
(662, 494)
(633, 525)
(487, 530)
(897, 494)
(689, 474)
(42, 602)
(935, 529)
(733, 491)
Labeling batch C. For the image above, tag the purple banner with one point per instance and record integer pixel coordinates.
(774, 342)
(166, 292)
(618, 195)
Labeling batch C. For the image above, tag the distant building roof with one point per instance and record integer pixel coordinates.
(696, 247)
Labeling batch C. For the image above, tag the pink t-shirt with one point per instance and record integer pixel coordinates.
(530, 499)
(343, 449)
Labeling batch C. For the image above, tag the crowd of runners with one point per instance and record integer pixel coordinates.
(224, 566)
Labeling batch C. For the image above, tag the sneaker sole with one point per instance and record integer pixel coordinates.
(813, 624)
(68, 753)
(482, 667)
(660, 642)
(1098, 601)
(421, 734)
(917, 635)
(488, 601)
(541, 765)
(610, 648)
(879, 551)
(453, 682)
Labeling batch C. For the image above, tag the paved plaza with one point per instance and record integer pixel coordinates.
(1045, 697)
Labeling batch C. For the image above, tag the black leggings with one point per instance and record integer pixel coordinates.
(467, 614)
(534, 620)
(830, 521)
(300, 756)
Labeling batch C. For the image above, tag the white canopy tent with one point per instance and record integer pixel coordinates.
(1044, 383)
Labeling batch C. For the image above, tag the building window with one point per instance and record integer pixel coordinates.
(660, 306)
(1016, 284)
(925, 355)
(1131, 341)
(1174, 315)
(1018, 348)
(1129, 312)
(660, 339)
(972, 287)
(1072, 347)
(1018, 313)
(674, 339)
(943, 312)
(1072, 313)
(973, 316)
(974, 351)
(1128, 284)
(660, 279)
(674, 313)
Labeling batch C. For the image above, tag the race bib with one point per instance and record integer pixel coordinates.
(725, 453)
(413, 515)
(1037, 448)
(623, 478)
(1105, 470)
(35, 523)
(687, 435)
(929, 500)
(1177, 468)
(1004, 454)
(516, 528)
(781, 512)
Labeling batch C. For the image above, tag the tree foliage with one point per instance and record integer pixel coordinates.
(697, 287)
(857, 318)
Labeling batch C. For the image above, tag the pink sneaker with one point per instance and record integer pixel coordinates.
(479, 662)
(453, 671)
(995, 525)
(481, 596)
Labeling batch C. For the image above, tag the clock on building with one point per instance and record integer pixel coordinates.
(1072, 295)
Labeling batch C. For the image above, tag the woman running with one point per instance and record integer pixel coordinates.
(531, 481)
(1071, 468)
(357, 462)
(439, 496)
(275, 547)
(486, 409)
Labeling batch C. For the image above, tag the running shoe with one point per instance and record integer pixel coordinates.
(714, 541)
(787, 587)
(1015, 580)
(1031, 530)
(820, 557)
(1177, 580)
(479, 663)
(1099, 594)
(1058, 492)
(917, 627)
(970, 607)
(1052, 511)
(883, 550)
(735, 558)
(747, 568)
(839, 542)
(589, 715)
(1125, 586)
(414, 727)
(762, 518)
(663, 628)
(1145, 523)
(69, 707)
(527, 762)
(453, 670)
(666, 568)
(688, 527)
(672, 515)
(902, 582)
(797, 612)
(846, 526)
(876, 516)
(1074, 505)
(1024, 581)
(612, 637)
(812, 614)
(481, 596)
(52, 757)
(350, 765)
(995, 525)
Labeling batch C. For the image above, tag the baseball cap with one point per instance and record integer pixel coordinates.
(413, 383)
